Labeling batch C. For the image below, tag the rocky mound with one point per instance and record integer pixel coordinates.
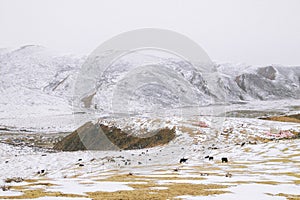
(101, 137)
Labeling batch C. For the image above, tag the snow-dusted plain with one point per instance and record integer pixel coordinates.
(36, 97)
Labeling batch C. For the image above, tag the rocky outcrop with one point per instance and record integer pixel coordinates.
(269, 83)
(267, 72)
(101, 137)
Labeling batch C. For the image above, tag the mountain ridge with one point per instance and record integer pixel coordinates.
(35, 75)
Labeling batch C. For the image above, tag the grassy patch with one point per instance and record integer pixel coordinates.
(172, 177)
(207, 167)
(30, 194)
(146, 191)
(287, 118)
(26, 187)
(285, 149)
(257, 182)
(141, 178)
(238, 166)
(14, 179)
(31, 180)
(297, 182)
(247, 149)
(123, 178)
(288, 196)
(293, 174)
(293, 155)
(284, 160)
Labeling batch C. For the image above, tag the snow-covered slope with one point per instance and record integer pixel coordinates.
(37, 69)
(35, 80)
(263, 83)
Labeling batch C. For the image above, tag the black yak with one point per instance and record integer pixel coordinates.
(224, 160)
(183, 160)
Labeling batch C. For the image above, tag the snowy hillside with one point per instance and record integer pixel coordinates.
(262, 83)
(37, 81)
(38, 70)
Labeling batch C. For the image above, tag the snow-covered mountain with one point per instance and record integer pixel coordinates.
(38, 70)
(36, 80)
(261, 82)
(34, 77)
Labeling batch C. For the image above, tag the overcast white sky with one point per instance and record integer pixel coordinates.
(250, 31)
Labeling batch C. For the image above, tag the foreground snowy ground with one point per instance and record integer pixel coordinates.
(259, 168)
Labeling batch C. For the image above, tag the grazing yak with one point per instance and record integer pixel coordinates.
(41, 171)
(224, 160)
(183, 160)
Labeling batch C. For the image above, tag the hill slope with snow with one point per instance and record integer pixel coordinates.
(40, 82)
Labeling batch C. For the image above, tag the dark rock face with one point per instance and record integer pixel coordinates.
(71, 142)
(267, 72)
(265, 86)
(101, 137)
(264, 83)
